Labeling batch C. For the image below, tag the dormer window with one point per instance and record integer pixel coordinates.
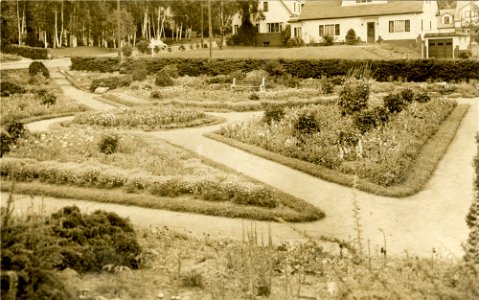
(447, 20)
(265, 6)
(363, 1)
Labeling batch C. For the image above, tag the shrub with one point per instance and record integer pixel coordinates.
(171, 70)
(25, 51)
(394, 102)
(326, 86)
(407, 95)
(182, 48)
(127, 50)
(274, 68)
(109, 144)
(156, 49)
(422, 97)
(273, 113)
(354, 96)
(368, 119)
(156, 94)
(112, 82)
(253, 96)
(163, 79)
(9, 88)
(289, 80)
(38, 67)
(351, 37)
(46, 97)
(327, 41)
(139, 73)
(10, 132)
(294, 42)
(142, 46)
(306, 124)
(472, 218)
(465, 54)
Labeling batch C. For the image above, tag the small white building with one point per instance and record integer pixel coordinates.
(276, 14)
(372, 20)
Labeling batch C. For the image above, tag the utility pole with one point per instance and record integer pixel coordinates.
(210, 30)
(118, 28)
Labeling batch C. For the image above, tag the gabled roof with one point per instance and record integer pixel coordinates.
(331, 9)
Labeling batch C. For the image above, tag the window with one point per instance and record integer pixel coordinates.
(447, 20)
(363, 1)
(330, 30)
(400, 26)
(297, 32)
(265, 6)
(274, 27)
(236, 29)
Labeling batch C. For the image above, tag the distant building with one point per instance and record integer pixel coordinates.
(276, 13)
(372, 20)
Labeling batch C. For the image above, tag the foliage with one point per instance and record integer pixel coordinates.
(163, 79)
(25, 51)
(383, 156)
(273, 113)
(294, 42)
(4, 57)
(142, 46)
(127, 50)
(422, 97)
(112, 82)
(394, 102)
(109, 144)
(286, 35)
(327, 40)
(171, 70)
(250, 15)
(354, 96)
(274, 68)
(139, 73)
(47, 97)
(143, 117)
(9, 88)
(326, 85)
(411, 70)
(38, 67)
(472, 219)
(407, 95)
(351, 37)
(253, 96)
(465, 54)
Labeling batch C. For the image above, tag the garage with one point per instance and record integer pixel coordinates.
(440, 48)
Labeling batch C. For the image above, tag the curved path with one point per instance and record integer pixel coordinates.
(433, 218)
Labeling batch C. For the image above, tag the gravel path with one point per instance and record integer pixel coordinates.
(433, 218)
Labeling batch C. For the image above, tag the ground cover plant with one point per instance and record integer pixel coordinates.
(145, 117)
(379, 142)
(154, 173)
(4, 57)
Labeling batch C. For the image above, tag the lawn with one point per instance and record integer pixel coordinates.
(82, 51)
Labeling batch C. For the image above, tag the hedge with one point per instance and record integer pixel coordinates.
(382, 70)
(25, 51)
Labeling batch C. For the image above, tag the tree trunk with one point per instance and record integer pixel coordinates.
(55, 30)
(62, 31)
(24, 24)
(19, 27)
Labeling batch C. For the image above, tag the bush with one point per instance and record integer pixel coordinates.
(472, 218)
(407, 95)
(112, 82)
(109, 144)
(38, 67)
(294, 42)
(253, 96)
(394, 102)
(273, 113)
(163, 79)
(354, 96)
(127, 50)
(8, 88)
(171, 70)
(25, 51)
(142, 46)
(47, 97)
(326, 86)
(465, 54)
(422, 97)
(156, 94)
(274, 68)
(306, 124)
(139, 73)
(327, 41)
(10, 132)
(351, 37)
(368, 119)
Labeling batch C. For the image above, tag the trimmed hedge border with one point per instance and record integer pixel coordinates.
(48, 117)
(424, 166)
(417, 70)
(25, 51)
(179, 204)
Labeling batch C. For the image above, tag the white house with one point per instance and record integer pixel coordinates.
(276, 14)
(453, 34)
(372, 20)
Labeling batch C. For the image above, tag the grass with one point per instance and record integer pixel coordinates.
(81, 51)
(422, 168)
(6, 57)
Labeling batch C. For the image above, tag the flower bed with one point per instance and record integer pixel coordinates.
(382, 155)
(145, 166)
(145, 117)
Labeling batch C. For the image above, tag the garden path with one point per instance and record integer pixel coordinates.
(433, 218)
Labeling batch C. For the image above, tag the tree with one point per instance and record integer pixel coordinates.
(250, 15)
(127, 25)
(351, 37)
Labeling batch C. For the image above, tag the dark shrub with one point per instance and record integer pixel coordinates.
(156, 94)
(142, 46)
(327, 41)
(274, 68)
(306, 124)
(354, 96)
(394, 102)
(351, 37)
(368, 119)
(9, 88)
(25, 51)
(465, 54)
(38, 67)
(163, 79)
(422, 97)
(127, 50)
(295, 42)
(46, 97)
(10, 132)
(109, 144)
(407, 95)
(112, 82)
(253, 96)
(273, 113)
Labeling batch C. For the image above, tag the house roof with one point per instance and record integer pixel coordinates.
(332, 9)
